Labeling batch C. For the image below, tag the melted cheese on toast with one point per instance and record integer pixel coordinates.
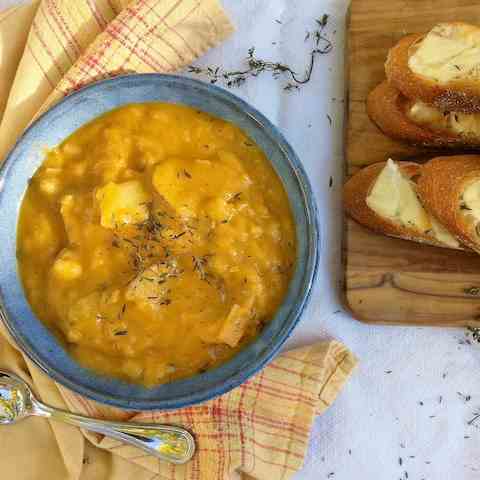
(450, 51)
(461, 124)
(393, 197)
(470, 204)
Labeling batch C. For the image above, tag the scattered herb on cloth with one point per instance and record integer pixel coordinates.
(474, 332)
(256, 66)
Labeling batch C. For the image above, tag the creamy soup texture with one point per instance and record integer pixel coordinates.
(156, 242)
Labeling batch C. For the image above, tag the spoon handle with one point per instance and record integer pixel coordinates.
(167, 442)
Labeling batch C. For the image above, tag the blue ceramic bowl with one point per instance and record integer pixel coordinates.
(66, 117)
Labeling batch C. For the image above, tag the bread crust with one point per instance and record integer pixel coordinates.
(456, 95)
(355, 193)
(386, 107)
(440, 185)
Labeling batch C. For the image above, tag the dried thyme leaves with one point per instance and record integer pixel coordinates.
(474, 291)
(255, 66)
(473, 332)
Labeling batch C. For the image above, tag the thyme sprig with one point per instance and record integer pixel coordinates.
(257, 66)
(474, 291)
(474, 332)
(149, 242)
(199, 265)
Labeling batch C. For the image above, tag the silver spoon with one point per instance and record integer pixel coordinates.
(173, 444)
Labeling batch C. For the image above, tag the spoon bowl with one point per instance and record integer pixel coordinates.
(15, 398)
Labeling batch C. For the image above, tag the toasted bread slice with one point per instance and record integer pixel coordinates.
(417, 123)
(382, 197)
(449, 187)
(440, 68)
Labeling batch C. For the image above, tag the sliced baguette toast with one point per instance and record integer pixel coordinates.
(414, 122)
(359, 189)
(440, 68)
(449, 187)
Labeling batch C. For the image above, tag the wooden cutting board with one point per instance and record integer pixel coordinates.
(388, 280)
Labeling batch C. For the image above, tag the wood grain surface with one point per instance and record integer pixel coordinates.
(393, 281)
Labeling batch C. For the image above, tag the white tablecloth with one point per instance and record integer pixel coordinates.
(413, 413)
(404, 413)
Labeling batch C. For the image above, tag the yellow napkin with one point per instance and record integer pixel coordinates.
(259, 430)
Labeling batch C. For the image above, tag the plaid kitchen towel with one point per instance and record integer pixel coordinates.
(259, 430)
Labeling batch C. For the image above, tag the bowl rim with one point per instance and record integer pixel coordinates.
(311, 262)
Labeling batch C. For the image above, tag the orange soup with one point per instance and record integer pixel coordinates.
(156, 242)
